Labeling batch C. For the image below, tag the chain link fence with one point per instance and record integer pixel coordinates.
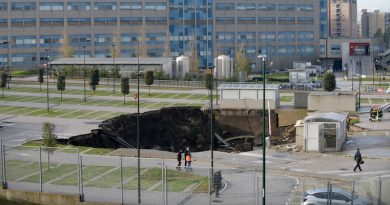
(129, 180)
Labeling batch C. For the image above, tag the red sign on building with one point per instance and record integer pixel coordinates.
(359, 49)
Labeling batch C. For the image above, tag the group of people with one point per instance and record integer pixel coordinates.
(187, 159)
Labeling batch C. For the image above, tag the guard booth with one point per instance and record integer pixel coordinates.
(324, 132)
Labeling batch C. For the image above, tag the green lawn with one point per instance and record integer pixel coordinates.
(364, 101)
(286, 98)
(377, 101)
(54, 172)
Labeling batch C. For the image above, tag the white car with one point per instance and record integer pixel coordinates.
(339, 197)
(388, 90)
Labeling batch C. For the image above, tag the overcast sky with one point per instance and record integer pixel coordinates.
(382, 5)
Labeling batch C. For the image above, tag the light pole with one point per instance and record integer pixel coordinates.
(360, 80)
(263, 56)
(84, 75)
(216, 78)
(47, 78)
(138, 138)
(113, 64)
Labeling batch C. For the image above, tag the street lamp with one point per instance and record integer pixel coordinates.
(113, 64)
(47, 77)
(263, 57)
(138, 138)
(84, 75)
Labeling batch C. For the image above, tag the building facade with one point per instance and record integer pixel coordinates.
(343, 18)
(32, 32)
(372, 22)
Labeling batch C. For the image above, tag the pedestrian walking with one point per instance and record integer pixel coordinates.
(179, 153)
(188, 159)
(358, 159)
(186, 152)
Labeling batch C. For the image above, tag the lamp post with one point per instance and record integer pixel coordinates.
(263, 56)
(47, 78)
(360, 80)
(138, 137)
(84, 75)
(216, 78)
(113, 64)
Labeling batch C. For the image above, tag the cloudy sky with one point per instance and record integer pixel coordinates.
(382, 5)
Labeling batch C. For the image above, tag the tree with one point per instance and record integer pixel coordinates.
(40, 77)
(242, 62)
(143, 47)
(193, 56)
(66, 50)
(61, 83)
(329, 80)
(115, 74)
(49, 140)
(3, 83)
(209, 81)
(378, 33)
(94, 81)
(149, 78)
(125, 88)
(187, 77)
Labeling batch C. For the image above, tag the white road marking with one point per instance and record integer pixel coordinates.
(23, 154)
(332, 172)
(364, 173)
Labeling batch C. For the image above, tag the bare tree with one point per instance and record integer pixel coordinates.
(143, 47)
(66, 50)
(242, 62)
(193, 57)
(49, 140)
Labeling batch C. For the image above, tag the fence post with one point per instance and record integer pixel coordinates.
(209, 185)
(5, 185)
(166, 185)
(40, 169)
(162, 183)
(380, 191)
(329, 190)
(80, 161)
(121, 176)
(254, 188)
(1, 157)
(353, 191)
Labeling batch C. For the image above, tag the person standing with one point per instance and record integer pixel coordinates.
(358, 158)
(179, 160)
(188, 159)
(186, 152)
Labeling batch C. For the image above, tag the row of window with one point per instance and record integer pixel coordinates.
(264, 7)
(265, 20)
(30, 58)
(83, 6)
(281, 36)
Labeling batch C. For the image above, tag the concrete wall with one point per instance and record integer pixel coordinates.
(332, 102)
(290, 116)
(44, 198)
(246, 104)
(300, 99)
(299, 135)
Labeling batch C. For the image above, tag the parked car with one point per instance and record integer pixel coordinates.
(287, 86)
(388, 90)
(318, 84)
(338, 196)
(304, 86)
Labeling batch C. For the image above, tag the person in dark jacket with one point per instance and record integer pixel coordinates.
(179, 159)
(358, 158)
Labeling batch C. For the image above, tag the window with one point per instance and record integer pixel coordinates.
(79, 6)
(82, 39)
(51, 22)
(155, 52)
(322, 50)
(23, 58)
(103, 39)
(79, 21)
(250, 51)
(266, 7)
(155, 38)
(335, 50)
(129, 53)
(305, 36)
(23, 6)
(268, 50)
(246, 36)
(51, 6)
(338, 196)
(246, 20)
(3, 22)
(286, 20)
(224, 6)
(131, 21)
(3, 59)
(321, 195)
(304, 7)
(129, 39)
(267, 20)
(306, 50)
(156, 21)
(103, 54)
(105, 6)
(286, 36)
(267, 36)
(105, 21)
(23, 22)
(3, 6)
(158, 6)
(286, 7)
(246, 6)
(224, 20)
(225, 36)
(305, 20)
(45, 41)
(286, 50)
(131, 6)
(3, 41)
(24, 41)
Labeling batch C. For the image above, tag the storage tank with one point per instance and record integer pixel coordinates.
(182, 67)
(223, 67)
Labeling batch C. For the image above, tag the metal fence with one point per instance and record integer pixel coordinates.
(114, 179)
